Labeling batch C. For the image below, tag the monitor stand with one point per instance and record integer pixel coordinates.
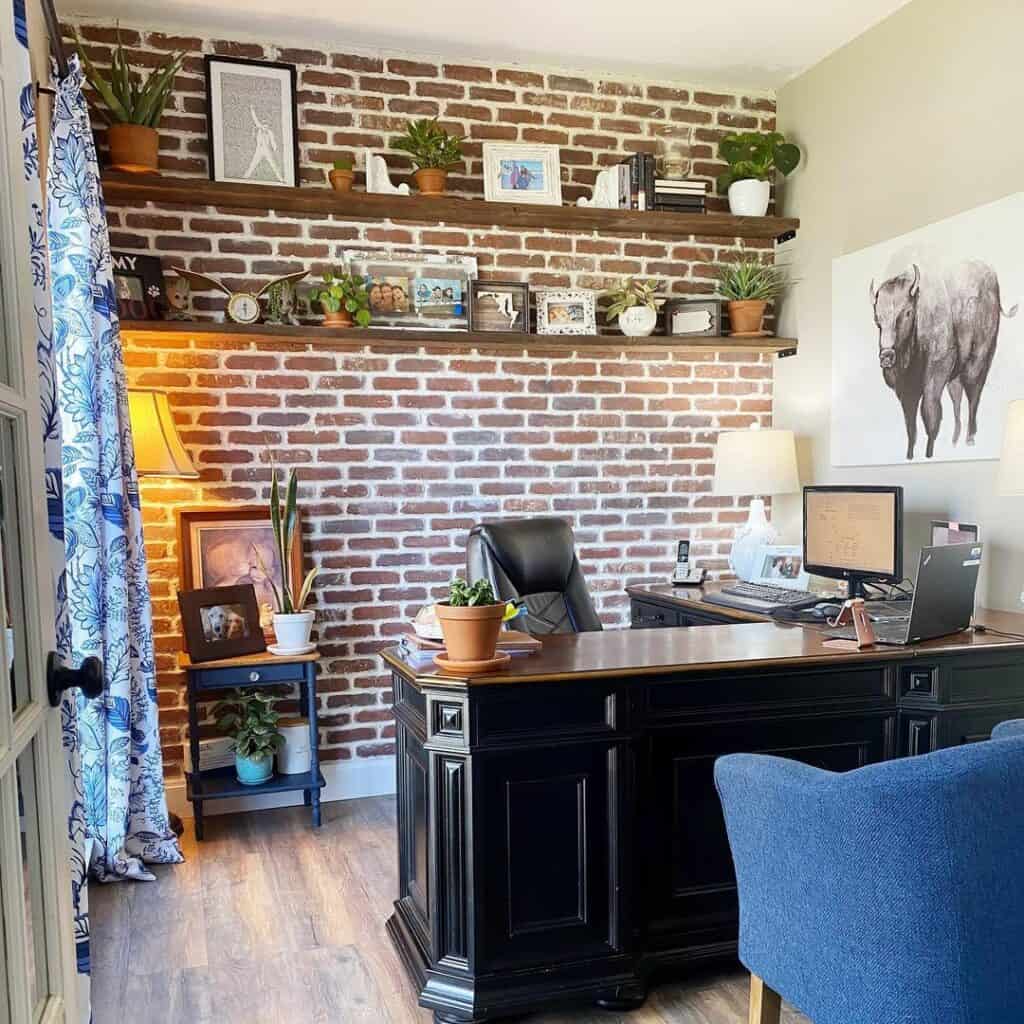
(855, 587)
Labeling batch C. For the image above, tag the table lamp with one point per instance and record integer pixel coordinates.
(158, 448)
(1010, 479)
(754, 462)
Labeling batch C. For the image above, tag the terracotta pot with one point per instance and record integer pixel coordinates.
(471, 633)
(430, 180)
(341, 180)
(133, 148)
(746, 317)
(343, 318)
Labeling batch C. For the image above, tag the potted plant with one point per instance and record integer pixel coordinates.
(634, 306)
(249, 718)
(134, 107)
(748, 286)
(433, 151)
(292, 623)
(344, 300)
(470, 620)
(341, 176)
(752, 156)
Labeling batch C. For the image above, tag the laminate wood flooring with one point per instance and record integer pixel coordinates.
(269, 921)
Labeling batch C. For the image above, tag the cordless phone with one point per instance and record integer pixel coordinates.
(684, 575)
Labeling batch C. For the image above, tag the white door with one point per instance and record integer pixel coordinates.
(37, 962)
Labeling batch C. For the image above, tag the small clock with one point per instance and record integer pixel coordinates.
(242, 307)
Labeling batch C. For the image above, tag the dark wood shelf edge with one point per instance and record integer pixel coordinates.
(323, 337)
(195, 192)
(228, 788)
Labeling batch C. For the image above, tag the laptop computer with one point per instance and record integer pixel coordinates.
(943, 601)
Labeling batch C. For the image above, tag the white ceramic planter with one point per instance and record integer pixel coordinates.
(293, 630)
(293, 758)
(749, 198)
(637, 321)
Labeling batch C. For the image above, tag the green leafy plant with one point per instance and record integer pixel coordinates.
(283, 527)
(249, 718)
(755, 155)
(462, 594)
(750, 279)
(129, 98)
(348, 290)
(343, 165)
(631, 292)
(429, 145)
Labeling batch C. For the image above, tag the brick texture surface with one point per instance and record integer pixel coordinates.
(401, 451)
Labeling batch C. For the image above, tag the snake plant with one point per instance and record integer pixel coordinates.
(283, 527)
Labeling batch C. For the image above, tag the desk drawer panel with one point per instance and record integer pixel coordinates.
(546, 712)
(645, 615)
(243, 675)
(996, 677)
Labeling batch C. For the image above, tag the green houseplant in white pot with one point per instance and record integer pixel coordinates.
(634, 306)
(292, 623)
(752, 158)
(249, 718)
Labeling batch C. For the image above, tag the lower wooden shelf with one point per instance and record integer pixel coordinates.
(219, 783)
(328, 337)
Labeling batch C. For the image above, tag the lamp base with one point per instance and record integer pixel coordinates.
(755, 532)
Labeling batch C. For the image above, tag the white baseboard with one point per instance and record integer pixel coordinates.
(346, 780)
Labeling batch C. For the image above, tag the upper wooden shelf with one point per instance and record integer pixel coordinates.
(120, 188)
(326, 337)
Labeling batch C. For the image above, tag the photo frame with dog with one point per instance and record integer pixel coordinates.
(221, 622)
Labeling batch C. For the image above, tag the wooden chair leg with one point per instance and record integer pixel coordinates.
(765, 1003)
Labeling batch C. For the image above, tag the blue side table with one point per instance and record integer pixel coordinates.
(252, 672)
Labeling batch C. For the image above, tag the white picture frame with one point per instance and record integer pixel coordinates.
(566, 311)
(780, 565)
(522, 173)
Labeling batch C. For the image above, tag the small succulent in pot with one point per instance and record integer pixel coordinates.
(249, 718)
(341, 175)
(635, 305)
(344, 300)
(748, 286)
(433, 151)
(471, 619)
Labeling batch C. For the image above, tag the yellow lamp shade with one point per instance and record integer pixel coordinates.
(158, 449)
(754, 462)
(1010, 480)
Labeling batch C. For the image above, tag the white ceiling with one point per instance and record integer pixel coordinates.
(753, 44)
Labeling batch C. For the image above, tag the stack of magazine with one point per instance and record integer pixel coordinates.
(419, 652)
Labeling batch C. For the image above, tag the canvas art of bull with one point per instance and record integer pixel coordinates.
(938, 332)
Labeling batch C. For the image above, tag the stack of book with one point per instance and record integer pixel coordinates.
(418, 652)
(680, 195)
(636, 182)
(214, 752)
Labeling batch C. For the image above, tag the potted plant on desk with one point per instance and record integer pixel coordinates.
(433, 151)
(470, 620)
(250, 720)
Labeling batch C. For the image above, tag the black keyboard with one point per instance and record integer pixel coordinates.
(771, 594)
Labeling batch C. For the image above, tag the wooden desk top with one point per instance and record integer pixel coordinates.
(646, 652)
(245, 660)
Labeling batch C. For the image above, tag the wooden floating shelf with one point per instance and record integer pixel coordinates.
(390, 337)
(128, 189)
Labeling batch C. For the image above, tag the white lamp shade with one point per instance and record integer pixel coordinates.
(1011, 463)
(158, 448)
(752, 462)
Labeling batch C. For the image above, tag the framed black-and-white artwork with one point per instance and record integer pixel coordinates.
(252, 122)
(515, 172)
(139, 285)
(571, 311)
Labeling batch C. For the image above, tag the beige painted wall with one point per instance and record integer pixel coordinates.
(914, 121)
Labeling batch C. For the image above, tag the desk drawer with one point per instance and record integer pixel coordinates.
(546, 714)
(653, 616)
(246, 675)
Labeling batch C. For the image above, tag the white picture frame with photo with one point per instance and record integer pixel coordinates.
(521, 173)
(566, 311)
(780, 565)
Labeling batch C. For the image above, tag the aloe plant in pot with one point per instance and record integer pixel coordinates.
(748, 286)
(433, 151)
(249, 718)
(134, 107)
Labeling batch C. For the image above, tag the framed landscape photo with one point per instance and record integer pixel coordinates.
(139, 286)
(252, 122)
(220, 622)
(521, 173)
(501, 306)
(566, 312)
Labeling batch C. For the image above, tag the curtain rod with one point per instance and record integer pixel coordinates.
(56, 42)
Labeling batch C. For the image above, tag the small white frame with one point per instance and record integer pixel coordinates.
(773, 564)
(548, 301)
(498, 153)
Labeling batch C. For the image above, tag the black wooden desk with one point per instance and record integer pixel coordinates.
(560, 837)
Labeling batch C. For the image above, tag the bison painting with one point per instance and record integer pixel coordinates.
(938, 332)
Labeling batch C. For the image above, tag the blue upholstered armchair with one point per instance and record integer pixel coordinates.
(893, 894)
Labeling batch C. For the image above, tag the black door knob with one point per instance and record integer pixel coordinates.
(88, 678)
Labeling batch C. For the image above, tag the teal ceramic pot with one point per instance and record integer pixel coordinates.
(253, 771)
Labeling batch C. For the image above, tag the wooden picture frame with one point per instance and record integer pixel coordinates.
(221, 622)
(211, 551)
(483, 319)
(272, 133)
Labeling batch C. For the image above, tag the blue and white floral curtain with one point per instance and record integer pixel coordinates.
(94, 495)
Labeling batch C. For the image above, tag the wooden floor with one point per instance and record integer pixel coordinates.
(268, 920)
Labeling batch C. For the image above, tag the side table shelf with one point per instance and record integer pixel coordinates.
(252, 671)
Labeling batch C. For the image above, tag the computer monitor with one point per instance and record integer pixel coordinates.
(854, 534)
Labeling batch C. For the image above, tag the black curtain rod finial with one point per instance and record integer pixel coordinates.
(56, 43)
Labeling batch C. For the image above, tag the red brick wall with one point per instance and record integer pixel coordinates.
(401, 451)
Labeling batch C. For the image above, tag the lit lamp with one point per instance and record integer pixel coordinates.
(158, 449)
(1010, 480)
(754, 462)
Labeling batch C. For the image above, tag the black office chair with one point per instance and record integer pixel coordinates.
(534, 561)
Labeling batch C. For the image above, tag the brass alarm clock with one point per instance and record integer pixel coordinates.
(242, 307)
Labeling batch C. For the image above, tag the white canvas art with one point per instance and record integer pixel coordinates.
(927, 343)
